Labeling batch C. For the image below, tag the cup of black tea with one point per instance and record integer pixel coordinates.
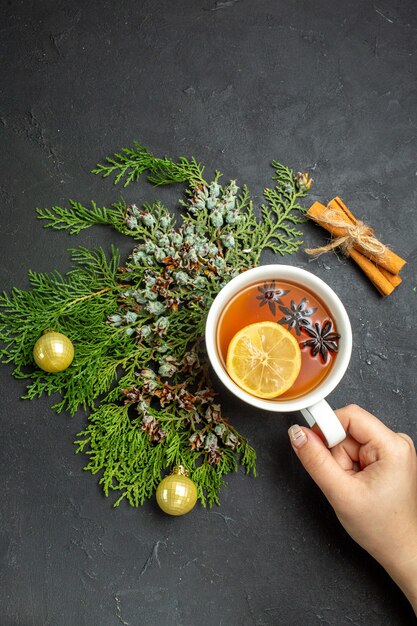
(279, 338)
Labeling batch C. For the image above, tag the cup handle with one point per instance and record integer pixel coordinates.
(326, 419)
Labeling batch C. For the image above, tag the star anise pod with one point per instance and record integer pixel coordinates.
(324, 339)
(296, 316)
(270, 295)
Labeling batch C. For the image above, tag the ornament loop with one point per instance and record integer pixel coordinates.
(180, 469)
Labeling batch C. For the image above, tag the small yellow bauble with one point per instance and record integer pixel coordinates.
(177, 494)
(53, 352)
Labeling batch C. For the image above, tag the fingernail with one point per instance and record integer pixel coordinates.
(297, 436)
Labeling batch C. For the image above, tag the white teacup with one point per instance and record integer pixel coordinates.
(312, 405)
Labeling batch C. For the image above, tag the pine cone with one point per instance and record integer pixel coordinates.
(132, 395)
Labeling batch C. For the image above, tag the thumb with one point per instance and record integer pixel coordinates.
(318, 461)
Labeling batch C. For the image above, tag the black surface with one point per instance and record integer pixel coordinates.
(322, 85)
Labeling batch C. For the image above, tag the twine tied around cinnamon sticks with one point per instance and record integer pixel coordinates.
(357, 240)
(356, 234)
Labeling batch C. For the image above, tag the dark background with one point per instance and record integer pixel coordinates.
(325, 86)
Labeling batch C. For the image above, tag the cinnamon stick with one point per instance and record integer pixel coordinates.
(381, 270)
(389, 260)
(382, 282)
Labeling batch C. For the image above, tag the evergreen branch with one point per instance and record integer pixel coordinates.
(93, 264)
(130, 163)
(78, 217)
(209, 482)
(283, 210)
(140, 365)
(164, 172)
(283, 175)
(76, 306)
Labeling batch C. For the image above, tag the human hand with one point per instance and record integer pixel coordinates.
(370, 479)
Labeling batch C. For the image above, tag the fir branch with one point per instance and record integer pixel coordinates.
(130, 163)
(140, 365)
(76, 306)
(94, 265)
(280, 215)
(209, 482)
(78, 217)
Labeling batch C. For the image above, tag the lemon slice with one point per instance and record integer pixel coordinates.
(264, 359)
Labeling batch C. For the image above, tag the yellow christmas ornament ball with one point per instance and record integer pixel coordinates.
(176, 494)
(53, 352)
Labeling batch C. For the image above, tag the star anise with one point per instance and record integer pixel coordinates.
(296, 316)
(324, 339)
(270, 295)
